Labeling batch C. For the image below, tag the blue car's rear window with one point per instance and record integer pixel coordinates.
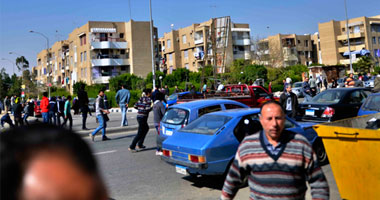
(207, 124)
(175, 116)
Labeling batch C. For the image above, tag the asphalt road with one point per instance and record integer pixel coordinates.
(143, 175)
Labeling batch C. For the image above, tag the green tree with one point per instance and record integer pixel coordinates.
(29, 82)
(130, 80)
(22, 63)
(15, 88)
(364, 64)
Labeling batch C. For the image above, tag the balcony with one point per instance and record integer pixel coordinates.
(352, 35)
(109, 62)
(101, 79)
(242, 55)
(242, 41)
(352, 47)
(109, 45)
(198, 40)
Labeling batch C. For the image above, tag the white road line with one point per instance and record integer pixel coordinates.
(105, 152)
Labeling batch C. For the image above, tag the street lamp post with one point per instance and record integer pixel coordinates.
(10, 62)
(151, 44)
(348, 38)
(48, 57)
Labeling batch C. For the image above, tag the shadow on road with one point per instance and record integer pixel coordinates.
(213, 182)
(122, 137)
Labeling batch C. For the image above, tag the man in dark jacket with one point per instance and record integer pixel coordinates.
(83, 105)
(289, 102)
(17, 110)
(53, 111)
(60, 110)
(29, 110)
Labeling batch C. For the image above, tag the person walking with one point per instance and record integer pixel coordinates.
(53, 111)
(176, 90)
(306, 91)
(44, 105)
(289, 102)
(7, 104)
(12, 101)
(276, 162)
(17, 112)
(83, 105)
(122, 99)
(144, 106)
(313, 86)
(167, 91)
(67, 113)
(28, 110)
(60, 110)
(101, 114)
(158, 113)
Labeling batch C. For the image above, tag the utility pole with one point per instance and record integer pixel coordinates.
(151, 44)
(348, 38)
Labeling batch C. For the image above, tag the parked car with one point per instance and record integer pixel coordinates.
(178, 116)
(371, 105)
(208, 145)
(91, 104)
(253, 96)
(340, 83)
(333, 104)
(172, 99)
(370, 83)
(297, 89)
(37, 109)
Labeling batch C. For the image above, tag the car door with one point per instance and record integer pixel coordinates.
(354, 100)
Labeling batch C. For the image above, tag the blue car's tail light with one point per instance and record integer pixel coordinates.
(197, 159)
(166, 153)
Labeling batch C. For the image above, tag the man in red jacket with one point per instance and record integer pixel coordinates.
(44, 105)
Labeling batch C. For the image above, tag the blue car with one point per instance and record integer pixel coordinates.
(371, 105)
(178, 116)
(208, 145)
(172, 99)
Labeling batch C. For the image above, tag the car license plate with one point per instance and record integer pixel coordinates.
(309, 112)
(169, 132)
(181, 170)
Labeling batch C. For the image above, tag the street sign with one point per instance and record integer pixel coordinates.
(22, 94)
(23, 86)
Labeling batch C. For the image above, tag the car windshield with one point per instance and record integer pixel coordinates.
(175, 116)
(207, 124)
(172, 97)
(328, 96)
(298, 84)
(372, 103)
(91, 100)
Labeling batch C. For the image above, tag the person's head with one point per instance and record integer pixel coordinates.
(160, 96)
(101, 92)
(288, 88)
(45, 94)
(306, 79)
(166, 86)
(272, 118)
(176, 86)
(59, 97)
(82, 87)
(351, 75)
(148, 92)
(123, 87)
(47, 162)
(69, 97)
(156, 87)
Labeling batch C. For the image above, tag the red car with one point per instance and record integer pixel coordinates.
(37, 109)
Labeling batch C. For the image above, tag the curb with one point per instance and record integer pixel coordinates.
(130, 110)
(112, 130)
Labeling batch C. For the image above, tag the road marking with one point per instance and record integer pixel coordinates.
(105, 152)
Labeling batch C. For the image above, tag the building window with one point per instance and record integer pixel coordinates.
(85, 56)
(186, 54)
(299, 41)
(375, 53)
(82, 40)
(187, 65)
(306, 43)
(169, 43)
(378, 40)
(373, 40)
(121, 35)
(184, 39)
(171, 57)
(122, 52)
(85, 72)
(81, 56)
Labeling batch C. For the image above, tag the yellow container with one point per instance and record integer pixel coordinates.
(354, 155)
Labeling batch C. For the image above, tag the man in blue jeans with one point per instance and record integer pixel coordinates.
(101, 114)
(122, 99)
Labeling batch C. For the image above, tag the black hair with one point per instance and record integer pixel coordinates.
(272, 102)
(68, 97)
(45, 94)
(147, 91)
(19, 146)
(160, 96)
(101, 90)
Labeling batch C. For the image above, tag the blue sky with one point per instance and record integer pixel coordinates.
(56, 19)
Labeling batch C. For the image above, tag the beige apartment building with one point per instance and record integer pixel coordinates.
(364, 38)
(284, 50)
(216, 42)
(97, 51)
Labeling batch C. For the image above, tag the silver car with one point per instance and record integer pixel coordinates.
(297, 89)
(370, 83)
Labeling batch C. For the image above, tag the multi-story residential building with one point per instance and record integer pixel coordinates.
(216, 42)
(98, 51)
(364, 38)
(284, 50)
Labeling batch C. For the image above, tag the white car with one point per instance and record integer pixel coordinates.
(297, 89)
(370, 82)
